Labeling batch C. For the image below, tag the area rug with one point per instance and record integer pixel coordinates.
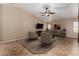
(35, 46)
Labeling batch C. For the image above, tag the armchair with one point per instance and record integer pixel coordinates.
(46, 38)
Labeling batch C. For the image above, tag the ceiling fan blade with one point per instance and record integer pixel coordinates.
(48, 15)
(42, 14)
(52, 13)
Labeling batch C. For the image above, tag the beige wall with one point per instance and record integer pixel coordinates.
(0, 23)
(16, 23)
(68, 25)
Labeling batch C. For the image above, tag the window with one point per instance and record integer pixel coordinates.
(49, 26)
(75, 27)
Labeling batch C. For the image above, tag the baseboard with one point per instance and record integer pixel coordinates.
(72, 37)
(12, 40)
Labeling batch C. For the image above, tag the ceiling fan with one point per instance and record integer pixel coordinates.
(47, 11)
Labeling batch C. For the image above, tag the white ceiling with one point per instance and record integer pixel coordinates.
(62, 10)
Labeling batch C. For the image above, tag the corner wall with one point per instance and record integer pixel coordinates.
(16, 23)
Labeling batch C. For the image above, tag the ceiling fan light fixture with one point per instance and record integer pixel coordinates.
(47, 10)
(46, 14)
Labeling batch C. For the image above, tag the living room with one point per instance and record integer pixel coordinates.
(17, 21)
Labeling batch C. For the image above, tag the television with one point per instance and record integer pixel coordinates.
(39, 26)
